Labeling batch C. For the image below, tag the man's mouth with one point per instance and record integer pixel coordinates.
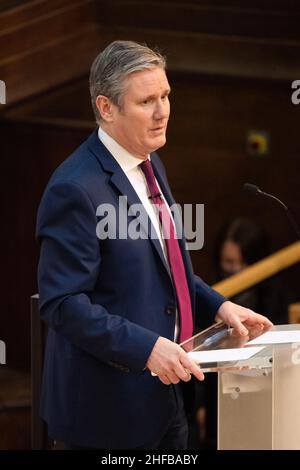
(158, 129)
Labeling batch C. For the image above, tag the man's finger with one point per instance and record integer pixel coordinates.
(196, 370)
(164, 379)
(182, 372)
(186, 375)
(238, 326)
(193, 368)
(172, 376)
(264, 321)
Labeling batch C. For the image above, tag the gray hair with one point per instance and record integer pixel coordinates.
(113, 65)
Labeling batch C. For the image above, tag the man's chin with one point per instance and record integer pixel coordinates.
(157, 144)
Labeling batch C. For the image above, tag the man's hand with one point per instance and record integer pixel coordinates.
(171, 363)
(242, 319)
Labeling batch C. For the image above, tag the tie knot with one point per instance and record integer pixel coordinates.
(146, 167)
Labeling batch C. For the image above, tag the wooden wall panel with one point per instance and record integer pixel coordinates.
(277, 20)
(40, 38)
(14, 410)
(207, 160)
(29, 157)
(44, 29)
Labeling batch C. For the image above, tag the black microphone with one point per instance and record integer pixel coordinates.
(251, 188)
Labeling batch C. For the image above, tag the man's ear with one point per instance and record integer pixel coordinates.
(105, 108)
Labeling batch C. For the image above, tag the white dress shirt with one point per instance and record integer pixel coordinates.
(130, 166)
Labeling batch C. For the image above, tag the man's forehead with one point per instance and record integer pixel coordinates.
(145, 80)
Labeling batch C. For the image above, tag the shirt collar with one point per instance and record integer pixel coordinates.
(125, 159)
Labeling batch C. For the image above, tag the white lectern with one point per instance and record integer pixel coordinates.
(258, 398)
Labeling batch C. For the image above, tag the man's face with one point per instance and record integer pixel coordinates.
(140, 125)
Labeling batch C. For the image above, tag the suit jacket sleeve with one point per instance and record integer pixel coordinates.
(208, 302)
(70, 260)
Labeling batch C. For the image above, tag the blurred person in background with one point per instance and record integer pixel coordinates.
(241, 243)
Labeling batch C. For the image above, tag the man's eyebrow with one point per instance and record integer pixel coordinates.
(165, 92)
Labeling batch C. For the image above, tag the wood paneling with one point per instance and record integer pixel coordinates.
(14, 410)
(45, 41)
(211, 119)
(197, 38)
(199, 53)
(28, 11)
(8, 5)
(44, 29)
(28, 157)
(221, 18)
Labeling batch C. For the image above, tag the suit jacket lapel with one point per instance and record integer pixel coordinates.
(121, 182)
(124, 187)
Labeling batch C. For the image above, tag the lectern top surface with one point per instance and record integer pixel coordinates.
(220, 337)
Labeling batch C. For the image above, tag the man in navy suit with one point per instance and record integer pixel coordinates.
(114, 373)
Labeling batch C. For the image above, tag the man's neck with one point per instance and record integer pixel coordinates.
(109, 131)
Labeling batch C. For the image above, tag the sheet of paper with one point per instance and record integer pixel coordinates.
(224, 355)
(277, 337)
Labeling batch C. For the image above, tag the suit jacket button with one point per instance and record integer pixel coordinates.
(170, 309)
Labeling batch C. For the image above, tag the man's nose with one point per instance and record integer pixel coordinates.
(161, 110)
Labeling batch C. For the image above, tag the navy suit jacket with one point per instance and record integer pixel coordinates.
(106, 302)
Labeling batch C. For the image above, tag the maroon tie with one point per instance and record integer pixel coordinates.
(174, 254)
